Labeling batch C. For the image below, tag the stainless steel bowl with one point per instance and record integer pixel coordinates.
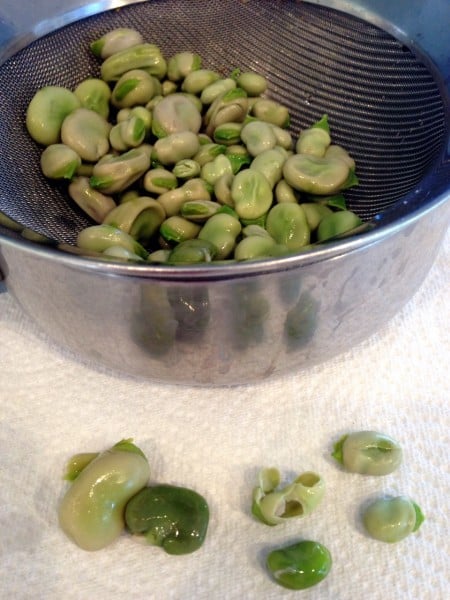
(384, 78)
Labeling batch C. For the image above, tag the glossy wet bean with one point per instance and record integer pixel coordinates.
(287, 224)
(368, 453)
(140, 217)
(221, 230)
(94, 94)
(91, 511)
(251, 194)
(172, 517)
(86, 132)
(300, 565)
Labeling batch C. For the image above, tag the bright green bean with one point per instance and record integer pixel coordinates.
(168, 516)
(300, 565)
(271, 112)
(127, 134)
(253, 83)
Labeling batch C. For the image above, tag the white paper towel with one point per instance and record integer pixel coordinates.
(215, 441)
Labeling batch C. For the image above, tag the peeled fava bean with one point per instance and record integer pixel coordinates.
(172, 517)
(392, 519)
(368, 453)
(92, 511)
(300, 565)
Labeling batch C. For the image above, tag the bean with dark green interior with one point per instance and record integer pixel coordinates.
(300, 565)
(172, 517)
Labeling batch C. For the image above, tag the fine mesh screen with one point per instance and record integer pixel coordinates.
(384, 105)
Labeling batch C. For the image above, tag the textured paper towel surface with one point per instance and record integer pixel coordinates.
(215, 441)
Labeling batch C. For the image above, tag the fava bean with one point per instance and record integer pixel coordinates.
(140, 56)
(47, 111)
(86, 132)
(316, 175)
(221, 230)
(300, 565)
(251, 194)
(168, 516)
(92, 202)
(134, 88)
(91, 511)
(99, 238)
(159, 180)
(336, 224)
(115, 41)
(114, 174)
(58, 161)
(181, 64)
(287, 224)
(140, 217)
(368, 453)
(94, 94)
(392, 519)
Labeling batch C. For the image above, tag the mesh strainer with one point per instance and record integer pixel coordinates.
(388, 104)
(384, 103)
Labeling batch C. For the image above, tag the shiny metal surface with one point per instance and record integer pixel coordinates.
(236, 323)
